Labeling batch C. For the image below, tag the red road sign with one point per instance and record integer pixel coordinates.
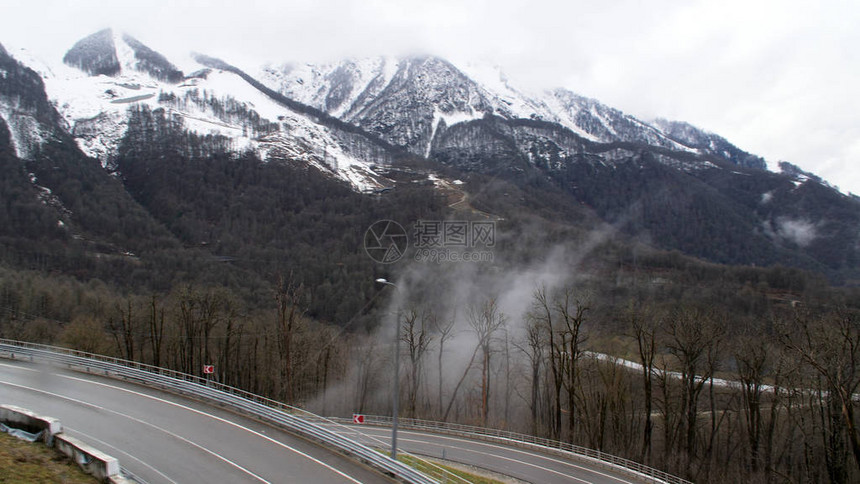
(208, 369)
(357, 418)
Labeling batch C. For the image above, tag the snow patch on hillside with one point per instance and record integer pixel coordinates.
(95, 110)
(26, 133)
(508, 101)
(124, 53)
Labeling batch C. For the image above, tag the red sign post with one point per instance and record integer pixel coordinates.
(357, 418)
(208, 369)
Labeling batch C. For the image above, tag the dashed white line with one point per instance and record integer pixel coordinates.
(172, 434)
(168, 402)
(511, 449)
(228, 422)
(18, 367)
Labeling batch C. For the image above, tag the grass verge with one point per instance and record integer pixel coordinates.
(24, 462)
(433, 469)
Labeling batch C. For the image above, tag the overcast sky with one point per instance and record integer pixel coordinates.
(777, 78)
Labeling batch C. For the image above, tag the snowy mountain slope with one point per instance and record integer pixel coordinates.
(708, 142)
(133, 109)
(406, 100)
(334, 88)
(29, 118)
(606, 124)
(401, 100)
(54, 198)
(105, 74)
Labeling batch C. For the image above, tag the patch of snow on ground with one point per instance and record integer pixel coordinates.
(98, 123)
(603, 121)
(366, 70)
(506, 98)
(124, 53)
(450, 120)
(772, 166)
(662, 136)
(300, 82)
(555, 105)
(25, 132)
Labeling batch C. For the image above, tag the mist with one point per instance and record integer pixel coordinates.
(443, 299)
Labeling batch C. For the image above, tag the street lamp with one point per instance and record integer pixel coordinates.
(395, 398)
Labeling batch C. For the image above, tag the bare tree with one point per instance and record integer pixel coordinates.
(460, 383)
(753, 358)
(446, 331)
(289, 297)
(830, 345)
(533, 350)
(572, 316)
(123, 328)
(415, 332)
(542, 314)
(485, 319)
(644, 326)
(693, 338)
(365, 357)
(156, 330)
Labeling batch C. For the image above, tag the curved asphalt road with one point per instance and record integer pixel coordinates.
(523, 464)
(164, 438)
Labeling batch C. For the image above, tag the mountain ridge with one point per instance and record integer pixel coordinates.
(383, 78)
(356, 121)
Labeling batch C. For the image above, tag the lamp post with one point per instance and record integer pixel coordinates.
(395, 397)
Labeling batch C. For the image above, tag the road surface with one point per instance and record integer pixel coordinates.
(523, 464)
(164, 438)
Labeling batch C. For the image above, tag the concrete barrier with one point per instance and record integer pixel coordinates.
(21, 418)
(92, 460)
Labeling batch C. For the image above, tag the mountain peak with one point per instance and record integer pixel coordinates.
(108, 53)
(95, 54)
(152, 62)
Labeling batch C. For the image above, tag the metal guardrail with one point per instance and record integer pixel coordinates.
(530, 441)
(290, 418)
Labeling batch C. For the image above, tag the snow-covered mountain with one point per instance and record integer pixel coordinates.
(412, 103)
(407, 100)
(105, 75)
(128, 106)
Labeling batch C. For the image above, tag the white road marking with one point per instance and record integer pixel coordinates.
(511, 449)
(176, 436)
(103, 444)
(234, 424)
(505, 458)
(258, 434)
(18, 367)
